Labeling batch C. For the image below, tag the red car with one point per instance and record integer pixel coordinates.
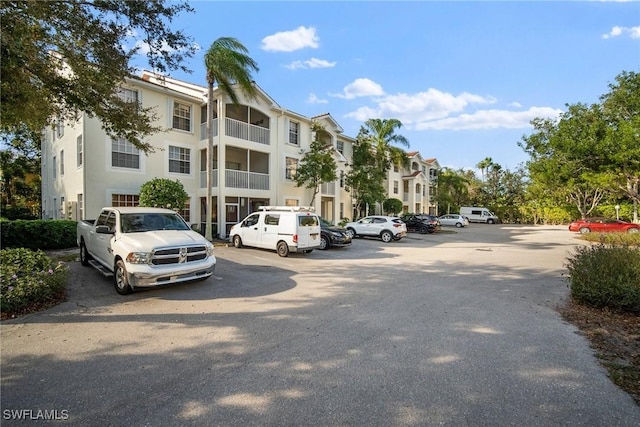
(603, 225)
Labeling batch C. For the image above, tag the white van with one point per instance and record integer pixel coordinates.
(281, 228)
(479, 214)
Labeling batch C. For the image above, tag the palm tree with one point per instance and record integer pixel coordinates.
(383, 134)
(229, 65)
(484, 165)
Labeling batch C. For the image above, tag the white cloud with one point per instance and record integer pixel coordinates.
(633, 32)
(437, 110)
(489, 119)
(431, 104)
(359, 88)
(311, 63)
(313, 99)
(288, 41)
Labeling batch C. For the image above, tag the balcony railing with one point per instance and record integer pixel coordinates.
(328, 188)
(203, 179)
(203, 129)
(250, 180)
(242, 130)
(238, 179)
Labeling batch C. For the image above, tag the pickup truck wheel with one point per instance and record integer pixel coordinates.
(121, 279)
(282, 249)
(237, 241)
(386, 236)
(84, 255)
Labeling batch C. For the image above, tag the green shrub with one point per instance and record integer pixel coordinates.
(38, 234)
(613, 239)
(606, 276)
(29, 280)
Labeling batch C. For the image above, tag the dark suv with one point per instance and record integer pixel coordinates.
(421, 223)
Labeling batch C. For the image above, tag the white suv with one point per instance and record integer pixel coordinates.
(385, 227)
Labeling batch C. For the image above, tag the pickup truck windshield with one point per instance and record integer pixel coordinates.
(136, 223)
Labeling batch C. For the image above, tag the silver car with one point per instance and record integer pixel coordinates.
(387, 228)
(454, 220)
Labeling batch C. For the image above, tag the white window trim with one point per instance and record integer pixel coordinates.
(143, 162)
(285, 167)
(288, 127)
(81, 153)
(192, 151)
(171, 103)
(109, 192)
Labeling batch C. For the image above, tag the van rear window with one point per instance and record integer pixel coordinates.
(308, 221)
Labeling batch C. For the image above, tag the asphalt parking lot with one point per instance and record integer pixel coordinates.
(455, 328)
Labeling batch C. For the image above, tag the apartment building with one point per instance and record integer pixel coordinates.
(416, 185)
(257, 147)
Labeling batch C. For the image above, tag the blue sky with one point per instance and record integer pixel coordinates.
(464, 78)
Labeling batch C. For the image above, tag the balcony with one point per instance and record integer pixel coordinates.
(238, 179)
(203, 179)
(328, 188)
(203, 129)
(246, 131)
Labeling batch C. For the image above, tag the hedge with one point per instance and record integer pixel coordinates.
(38, 234)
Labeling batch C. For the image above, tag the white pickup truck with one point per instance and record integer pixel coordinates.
(144, 247)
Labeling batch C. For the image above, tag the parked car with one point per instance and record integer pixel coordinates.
(333, 235)
(455, 220)
(421, 223)
(603, 225)
(385, 227)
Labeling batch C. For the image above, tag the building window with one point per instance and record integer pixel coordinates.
(291, 168)
(341, 179)
(395, 187)
(291, 202)
(395, 168)
(79, 150)
(61, 162)
(62, 207)
(179, 160)
(340, 146)
(124, 200)
(186, 212)
(128, 95)
(124, 154)
(59, 128)
(55, 167)
(80, 206)
(294, 133)
(181, 116)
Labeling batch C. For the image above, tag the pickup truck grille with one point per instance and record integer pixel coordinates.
(179, 255)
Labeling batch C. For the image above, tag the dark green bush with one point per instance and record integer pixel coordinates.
(29, 279)
(606, 276)
(38, 234)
